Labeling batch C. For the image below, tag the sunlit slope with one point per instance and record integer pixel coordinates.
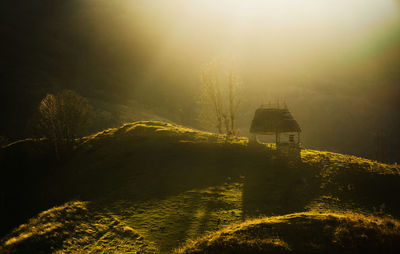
(170, 183)
(75, 227)
(352, 181)
(304, 233)
(156, 225)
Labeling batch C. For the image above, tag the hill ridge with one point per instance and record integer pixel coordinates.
(169, 182)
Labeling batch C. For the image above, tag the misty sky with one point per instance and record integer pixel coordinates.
(335, 63)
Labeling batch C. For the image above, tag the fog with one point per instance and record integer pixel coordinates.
(335, 63)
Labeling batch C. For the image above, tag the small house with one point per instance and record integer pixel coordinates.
(278, 122)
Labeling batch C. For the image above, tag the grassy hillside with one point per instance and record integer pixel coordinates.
(170, 184)
(73, 227)
(304, 233)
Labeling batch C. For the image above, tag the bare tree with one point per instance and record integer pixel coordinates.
(62, 118)
(233, 101)
(219, 99)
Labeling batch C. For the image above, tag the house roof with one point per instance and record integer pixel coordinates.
(272, 120)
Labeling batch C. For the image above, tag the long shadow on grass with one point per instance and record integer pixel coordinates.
(144, 171)
(145, 181)
(277, 185)
(271, 186)
(159, 172)
(111, 171)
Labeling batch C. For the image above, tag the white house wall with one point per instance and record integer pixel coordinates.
(284, 137)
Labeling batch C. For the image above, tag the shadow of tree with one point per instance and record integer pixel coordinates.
(276, 186)
(168, 222)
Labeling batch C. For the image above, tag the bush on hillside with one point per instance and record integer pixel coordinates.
(61, 118)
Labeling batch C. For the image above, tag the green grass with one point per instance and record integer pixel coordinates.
(74, 227)
(303, 233)
(168, 222)
(169, 184)
(355, 182)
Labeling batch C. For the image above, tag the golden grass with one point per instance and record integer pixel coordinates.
(157, 129)
(130, 163)
(73, 227)
(305, 232)
(167, 222)
(330, 161)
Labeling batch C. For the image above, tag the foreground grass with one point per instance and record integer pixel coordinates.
(74, 228)
(304, 233)
(169, 222)
(114, 226)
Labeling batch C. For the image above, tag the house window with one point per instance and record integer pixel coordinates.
(291, 138)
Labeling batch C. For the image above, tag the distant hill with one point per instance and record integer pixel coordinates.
(169, 184)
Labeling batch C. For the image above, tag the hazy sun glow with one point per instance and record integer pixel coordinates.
(278, 35)
(240, 15)
(275, 43)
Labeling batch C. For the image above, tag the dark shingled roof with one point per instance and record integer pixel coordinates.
(272, 120)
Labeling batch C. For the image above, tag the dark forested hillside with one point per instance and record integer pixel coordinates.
(52, 45)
